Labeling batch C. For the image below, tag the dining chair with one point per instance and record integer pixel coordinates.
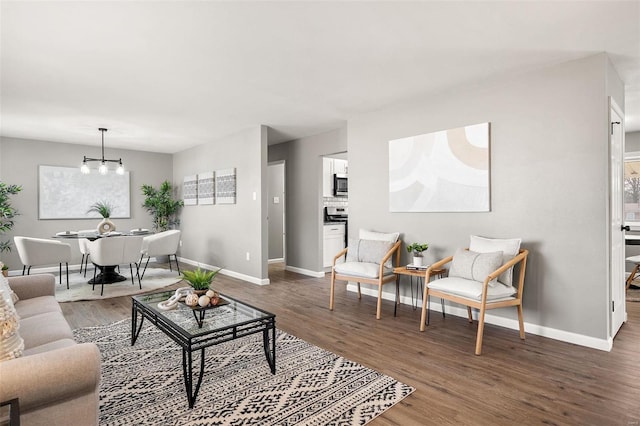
(40, 252)
(84, 248)
(161, 244)
(131, 251)
(106, 252)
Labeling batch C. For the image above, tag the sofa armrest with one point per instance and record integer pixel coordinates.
(56, 375)
(30, 286)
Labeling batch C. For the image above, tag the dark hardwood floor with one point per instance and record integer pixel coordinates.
(536, 381)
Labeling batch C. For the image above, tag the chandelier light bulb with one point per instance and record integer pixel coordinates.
(84, 168)
(103, 169)
(120, 169)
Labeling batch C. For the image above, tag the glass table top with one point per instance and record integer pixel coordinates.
(216, 318)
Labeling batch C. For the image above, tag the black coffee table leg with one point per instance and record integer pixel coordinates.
(270, 349)
(187, 370)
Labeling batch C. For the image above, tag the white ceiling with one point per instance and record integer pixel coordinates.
(164, 76)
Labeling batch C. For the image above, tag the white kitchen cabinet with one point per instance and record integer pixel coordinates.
(333, 242)
(331, 166)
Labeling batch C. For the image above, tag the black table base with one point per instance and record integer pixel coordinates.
(109, 274)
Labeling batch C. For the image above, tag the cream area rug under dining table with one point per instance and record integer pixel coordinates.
(79, 289)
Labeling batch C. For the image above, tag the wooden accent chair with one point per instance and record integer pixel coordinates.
(482, 293)
(370, 261)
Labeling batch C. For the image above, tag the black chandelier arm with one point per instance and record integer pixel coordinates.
(103, 160)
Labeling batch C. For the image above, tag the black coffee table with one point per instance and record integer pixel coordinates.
(220, 324)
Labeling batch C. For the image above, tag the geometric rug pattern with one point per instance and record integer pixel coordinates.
(143, 384)
(79, 289)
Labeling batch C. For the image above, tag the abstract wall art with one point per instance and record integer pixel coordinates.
(67, 193)
(445, 171)
(226, 186)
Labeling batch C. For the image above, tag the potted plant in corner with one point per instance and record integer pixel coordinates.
(7, 213)
(162, 206)
(417, 249)
(103, 208)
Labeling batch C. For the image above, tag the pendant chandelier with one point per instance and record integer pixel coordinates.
(102, 169)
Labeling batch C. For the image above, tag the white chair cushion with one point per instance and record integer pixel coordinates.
(634, 259)
(361, 269)
(471, 289)
(510, 247)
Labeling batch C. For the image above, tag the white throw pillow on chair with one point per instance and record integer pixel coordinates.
(510, 247)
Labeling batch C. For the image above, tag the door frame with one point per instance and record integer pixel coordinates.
(616, 289)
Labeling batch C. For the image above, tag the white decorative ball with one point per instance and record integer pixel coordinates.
(191, 299)
(204, 300)
(210, 293)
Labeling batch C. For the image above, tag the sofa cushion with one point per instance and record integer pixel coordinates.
(510, 247)
(11, 342)
(44, 328)
(471, 289)
(38, 305)
(474, 266)
(57, 344)
(361, 269)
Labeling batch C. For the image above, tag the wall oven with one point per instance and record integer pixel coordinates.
(340, 185)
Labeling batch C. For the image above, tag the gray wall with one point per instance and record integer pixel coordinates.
(19, 161)
(549, 183)
(632, 142)
(304, 195)
(220, 235)
(276, 210)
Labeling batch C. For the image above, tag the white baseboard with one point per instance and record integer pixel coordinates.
(280, 260)
(228, 272)
(551, 333)
(310, 273)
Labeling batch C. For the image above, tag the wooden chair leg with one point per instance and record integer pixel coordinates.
(521, 321)
(359, 293)
(633, 274)
(423, 316)
(469, 315)
(480, 331)
(379, 307)
(333, 285)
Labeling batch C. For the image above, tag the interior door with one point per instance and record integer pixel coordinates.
(616, 200)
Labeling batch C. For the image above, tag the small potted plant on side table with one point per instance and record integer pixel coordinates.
(417, 249)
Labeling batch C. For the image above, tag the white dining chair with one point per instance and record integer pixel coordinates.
(84, 248)
(106, 252)
(131, 251)
(161, 244)
(40, 252)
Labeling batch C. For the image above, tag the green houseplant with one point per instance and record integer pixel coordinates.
(417, 249)
(160, 203)
(199, 279)
(103, 208)
(7, 213)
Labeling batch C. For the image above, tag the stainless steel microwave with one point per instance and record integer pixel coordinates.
(340, 185)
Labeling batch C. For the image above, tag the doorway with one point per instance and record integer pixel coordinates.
(276, 216)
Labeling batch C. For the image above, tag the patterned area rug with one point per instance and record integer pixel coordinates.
(143, 384)
(154, 279)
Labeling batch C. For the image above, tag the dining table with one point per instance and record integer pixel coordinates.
(108, 272)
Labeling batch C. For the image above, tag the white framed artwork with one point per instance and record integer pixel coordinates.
(206, 187)
(226, 186)
(190, 190)
(445, 171)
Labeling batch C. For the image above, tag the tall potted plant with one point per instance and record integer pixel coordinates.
(7, 214)
(162, 206)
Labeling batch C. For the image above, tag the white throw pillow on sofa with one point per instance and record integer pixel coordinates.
(510, 247)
